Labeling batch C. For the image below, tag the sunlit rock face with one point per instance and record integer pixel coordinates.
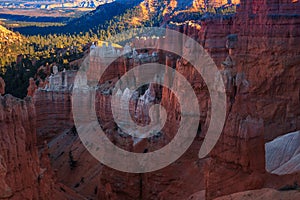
(197, 4)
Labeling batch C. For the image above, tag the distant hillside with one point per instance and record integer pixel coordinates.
(124, 14)
(87, 22)
(8, 38)
(100, 15)
(4, 31)
(99, 18)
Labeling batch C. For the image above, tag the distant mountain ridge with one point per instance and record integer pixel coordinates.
(86, 22)
(144, 9)
(41, 4)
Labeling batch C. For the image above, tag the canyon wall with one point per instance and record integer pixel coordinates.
(257, 53)
(268, 55)
(23, 175)
(267, 58)
(54, 113)
(52, 100)
(18, 140)
(261, 63)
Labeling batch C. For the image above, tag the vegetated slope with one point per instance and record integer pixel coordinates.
(100, 16)
(20, 56)
(4, 33)
(7, 40)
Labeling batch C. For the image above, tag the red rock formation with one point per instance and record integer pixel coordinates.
(266, 101)
(278, 95)
(267, 55)
(2, 86)
(103, 182)
(263, 103)
(54, 113)
(18, 135)
(21, 176)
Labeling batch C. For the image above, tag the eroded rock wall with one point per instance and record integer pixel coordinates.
(268, 58)
(54, 113)
(259, 47)
(22, 174)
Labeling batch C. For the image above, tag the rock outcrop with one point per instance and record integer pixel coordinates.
(31, 88)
